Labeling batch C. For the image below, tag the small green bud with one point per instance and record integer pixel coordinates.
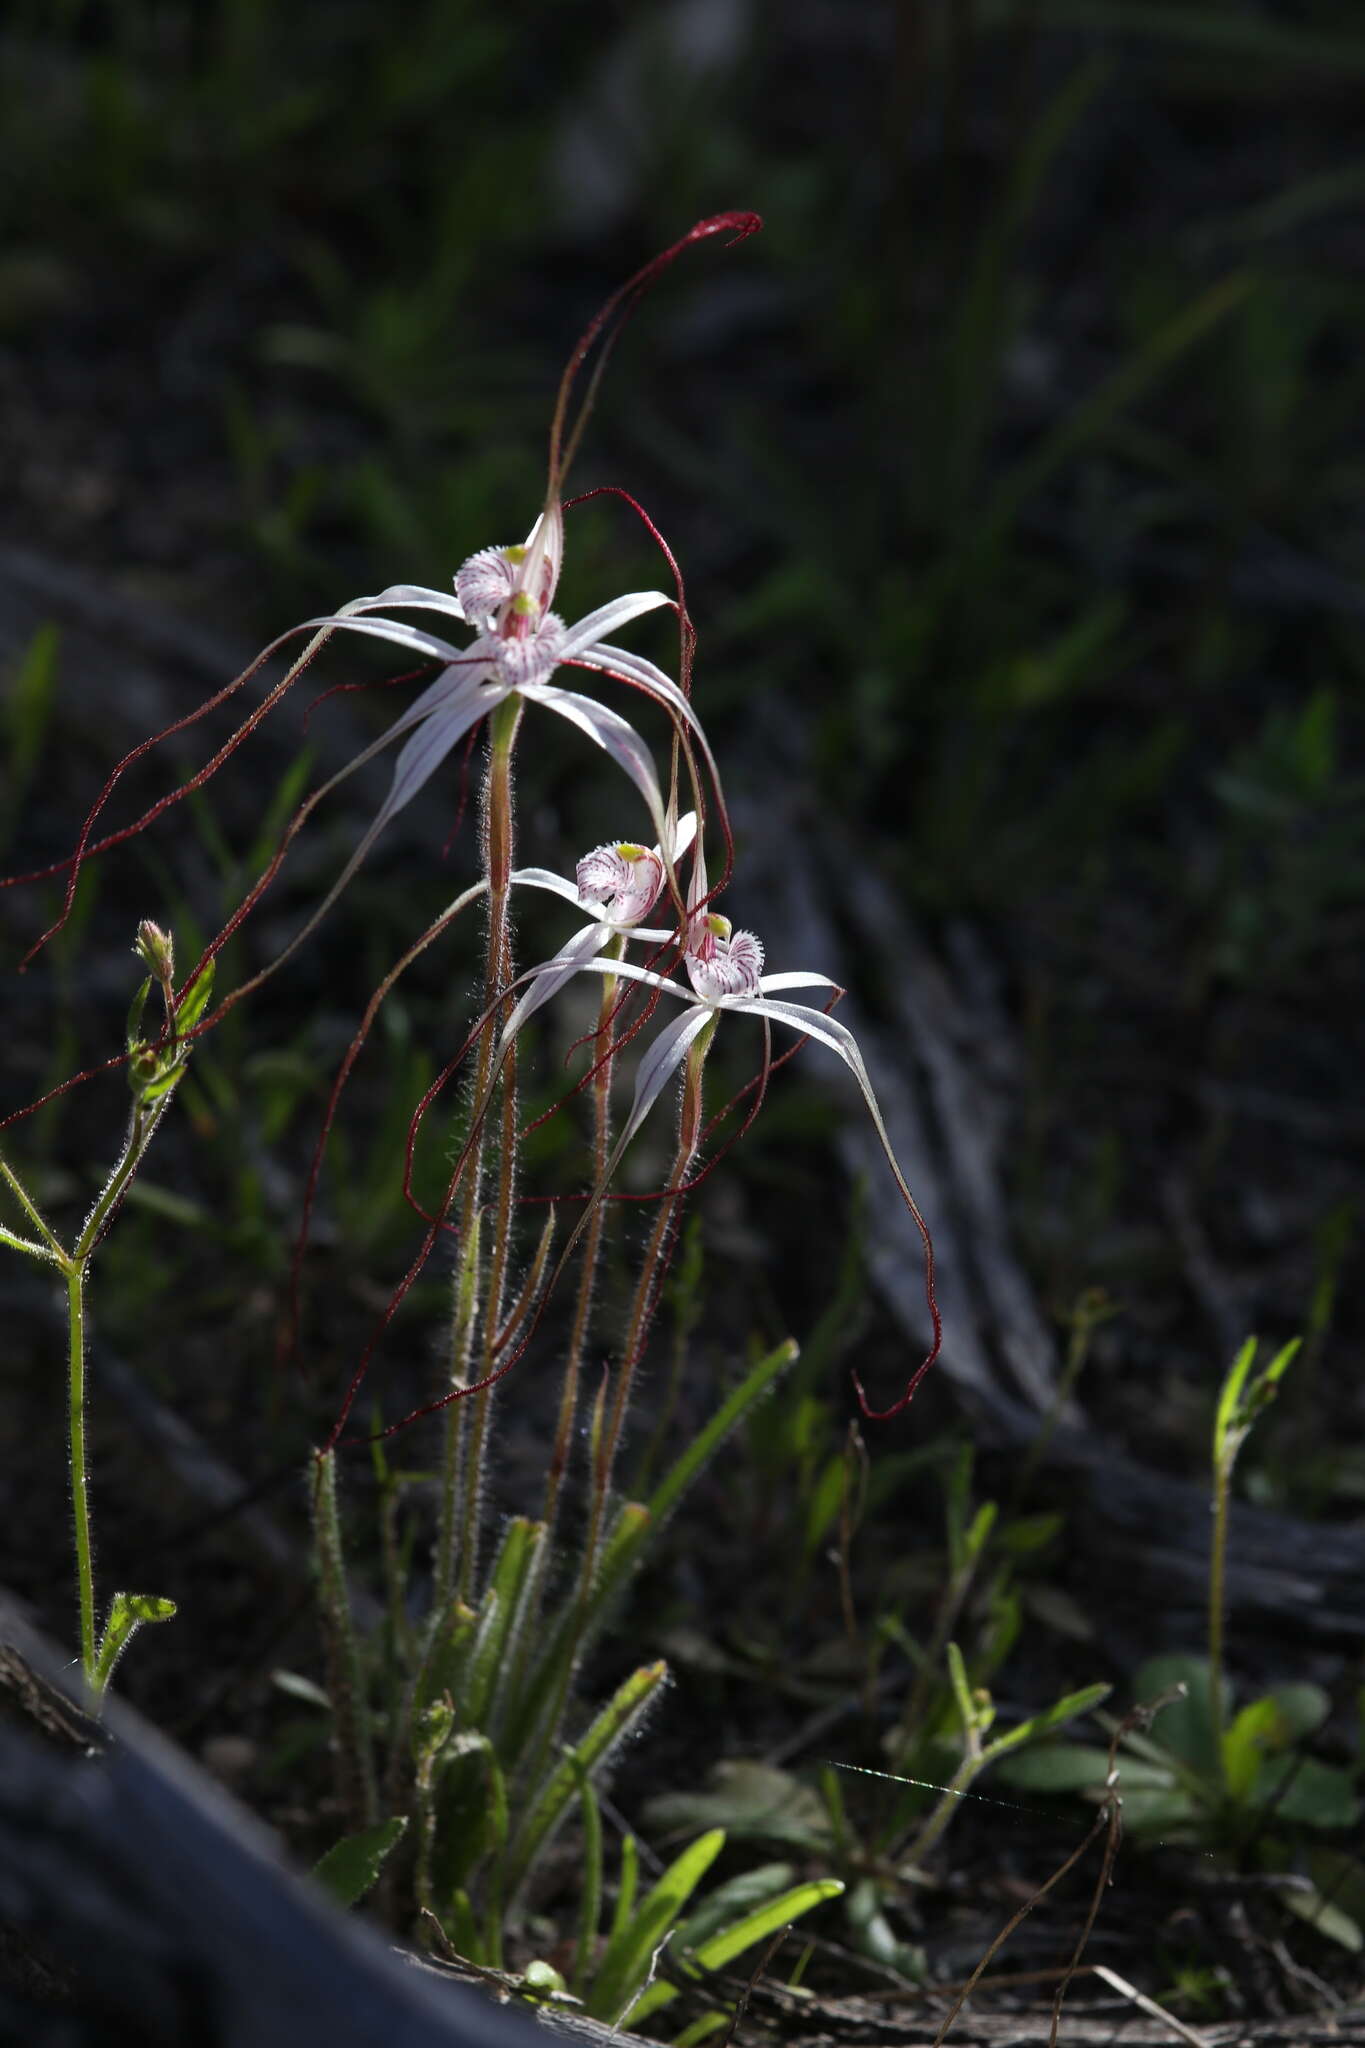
(524, 605)
(155, 948)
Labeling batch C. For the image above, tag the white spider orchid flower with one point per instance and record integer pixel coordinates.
(505, 594)
(725, 969)
(618, 885)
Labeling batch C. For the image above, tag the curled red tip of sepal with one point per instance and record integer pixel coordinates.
(885, 1414)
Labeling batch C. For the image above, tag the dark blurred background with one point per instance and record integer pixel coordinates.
(1015, 471)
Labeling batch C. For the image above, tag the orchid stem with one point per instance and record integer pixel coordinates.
(498, 826)
(592, 1246)
(646, 1299)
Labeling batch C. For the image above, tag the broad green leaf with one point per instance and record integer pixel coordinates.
(1304, 1790)
(1185, 1727)
(750, 1800)
(352, 1865)
(1304, 1708)
(743, 1934)
(1167, 1816)
(1064, 1767)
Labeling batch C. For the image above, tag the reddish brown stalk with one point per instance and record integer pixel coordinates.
(618, 308)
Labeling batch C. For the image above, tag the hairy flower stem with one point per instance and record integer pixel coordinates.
(356, 1784)
(1222, 1489)
(646, 1299)
(592, 1246)
(499, 832)
(607, 1436)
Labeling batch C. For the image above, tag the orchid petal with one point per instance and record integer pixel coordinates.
(439, 730)
(560, 885)
(418, 596)
(608, 617)
(795, 977)
(815, 1024)
(411, 637)
(545, 878)
(647, 975)
(546, 981)
(611, 732)
(660, 1059)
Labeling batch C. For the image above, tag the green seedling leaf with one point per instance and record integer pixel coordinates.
(630, 1954)
(1267, 1727)
(1083, 1702)
(700, 2030)
(873, 1934)
(731, 1901)
(471, 1808)
(590, 1890)
(352, 1866)
(1030, 1533)
(495, 1615)
(1258, 1730)
(745, 1933)
(127, 1613)
(625, 1890)
(195, 1000)
(132, 1030)
(1243, 1398)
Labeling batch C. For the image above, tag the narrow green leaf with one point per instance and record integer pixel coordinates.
(743, 1934)
(590, 1895)
(615, 1721)
(629, 1955)
(352, 1865)
(1061, 1711)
